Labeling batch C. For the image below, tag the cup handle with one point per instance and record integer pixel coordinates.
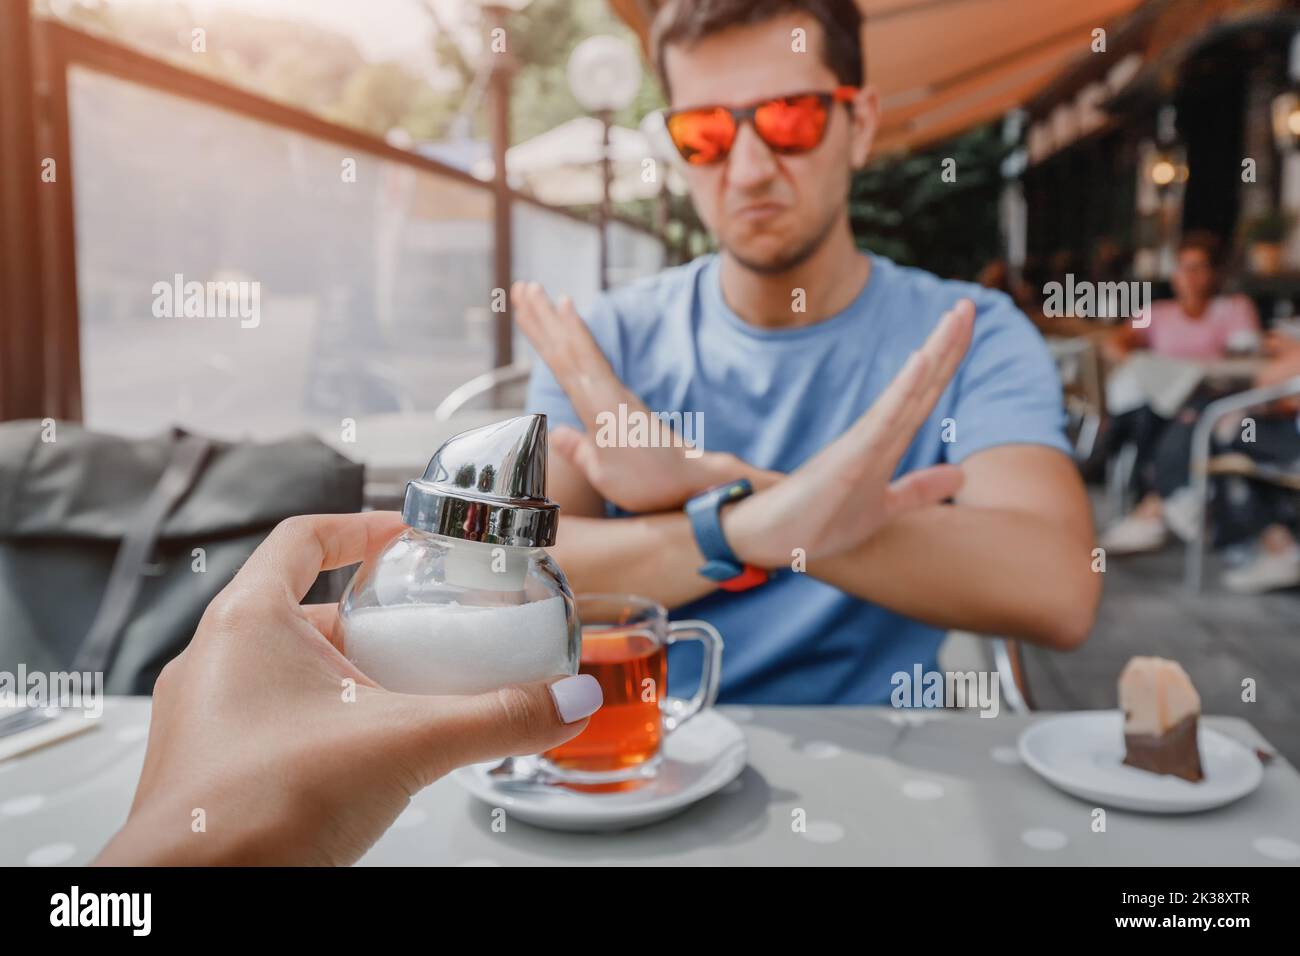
(710, 673)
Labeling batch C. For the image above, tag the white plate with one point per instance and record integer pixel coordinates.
(701, 757)
(1083, 753)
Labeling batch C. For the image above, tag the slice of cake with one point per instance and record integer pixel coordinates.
(1161, 711)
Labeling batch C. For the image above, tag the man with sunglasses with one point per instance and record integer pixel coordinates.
(883, 456)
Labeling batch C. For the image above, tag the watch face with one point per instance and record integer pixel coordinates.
(738, 489)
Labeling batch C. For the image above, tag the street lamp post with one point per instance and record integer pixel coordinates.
(604, 75)
(606, 176)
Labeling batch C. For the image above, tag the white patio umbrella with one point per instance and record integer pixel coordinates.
(561, 167)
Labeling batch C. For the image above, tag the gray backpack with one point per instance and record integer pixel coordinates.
(111, 548)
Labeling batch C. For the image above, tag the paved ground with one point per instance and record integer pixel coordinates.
(1220, 638)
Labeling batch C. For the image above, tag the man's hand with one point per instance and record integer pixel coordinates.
(637, 479)
(287, 753)
(842, 495)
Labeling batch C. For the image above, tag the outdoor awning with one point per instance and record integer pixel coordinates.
(944, 66)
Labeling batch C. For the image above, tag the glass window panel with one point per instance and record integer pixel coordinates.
(372, 296)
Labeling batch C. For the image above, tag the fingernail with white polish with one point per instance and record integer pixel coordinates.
(577, 697)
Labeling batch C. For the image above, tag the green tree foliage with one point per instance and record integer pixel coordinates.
(297, 63)
(903, 209)
(376, 97)
(541, 38)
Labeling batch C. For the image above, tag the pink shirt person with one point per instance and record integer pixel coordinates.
(1174, 334)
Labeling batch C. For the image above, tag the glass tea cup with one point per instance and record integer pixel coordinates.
(625, 642)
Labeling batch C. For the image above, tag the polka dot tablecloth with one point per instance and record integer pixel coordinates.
(827, 785)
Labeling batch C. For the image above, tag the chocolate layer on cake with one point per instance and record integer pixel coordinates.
(1161, 712)
(1173, 752)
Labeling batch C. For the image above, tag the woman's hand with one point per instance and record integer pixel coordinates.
(842, 495)
(267, 746)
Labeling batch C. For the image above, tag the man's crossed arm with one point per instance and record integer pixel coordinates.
(1012, 556)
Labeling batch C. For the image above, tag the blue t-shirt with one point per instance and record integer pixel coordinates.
(774, 397)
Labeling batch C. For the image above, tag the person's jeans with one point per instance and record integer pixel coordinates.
(1240, 508)
(1143, 428)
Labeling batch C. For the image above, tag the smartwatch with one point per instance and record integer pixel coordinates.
(721, 564)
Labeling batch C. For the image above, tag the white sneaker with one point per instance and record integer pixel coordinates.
(1268, 572)
(1180, 513)
(1134, 535)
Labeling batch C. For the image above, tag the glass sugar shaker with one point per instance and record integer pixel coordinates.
(466, 599)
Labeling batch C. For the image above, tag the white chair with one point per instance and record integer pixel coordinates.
(491, 382)
(1078, 364)
(1012, 680)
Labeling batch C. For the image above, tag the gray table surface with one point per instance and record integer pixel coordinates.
(876, 786)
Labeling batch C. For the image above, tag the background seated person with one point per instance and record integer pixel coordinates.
(1197, 324)
(1258, 513)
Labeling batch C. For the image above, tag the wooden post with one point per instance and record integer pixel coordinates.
(22, 380)
(502, 228)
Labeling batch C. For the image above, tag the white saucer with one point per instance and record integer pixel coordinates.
(701, 757)
(1083, 753)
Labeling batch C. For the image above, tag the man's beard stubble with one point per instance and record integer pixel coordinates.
(792, 261)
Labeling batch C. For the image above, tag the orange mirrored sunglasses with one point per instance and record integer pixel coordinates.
(787, 124)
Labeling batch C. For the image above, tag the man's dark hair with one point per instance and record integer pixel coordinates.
(683, 22)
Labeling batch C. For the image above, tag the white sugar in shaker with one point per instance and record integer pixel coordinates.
(466, 600)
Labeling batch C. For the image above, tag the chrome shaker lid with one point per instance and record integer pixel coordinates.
(488, 484)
